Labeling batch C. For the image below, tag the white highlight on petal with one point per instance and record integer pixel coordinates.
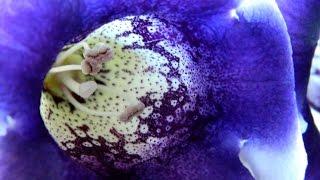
(253, 4)
(267, 160)
(302, 124)
(316, 118)
(233, 14)
(317, 53)
(271, 163)
(6, 123)
(253, 11)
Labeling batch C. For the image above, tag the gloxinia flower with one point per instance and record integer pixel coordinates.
(250, 64)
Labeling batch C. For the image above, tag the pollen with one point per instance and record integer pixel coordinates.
(132, 111)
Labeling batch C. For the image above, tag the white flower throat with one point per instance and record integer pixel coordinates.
(125, 91)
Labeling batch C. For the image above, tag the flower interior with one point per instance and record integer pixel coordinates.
(125, 94)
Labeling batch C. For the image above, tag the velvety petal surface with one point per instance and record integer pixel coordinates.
(303, 21)
(243, 50)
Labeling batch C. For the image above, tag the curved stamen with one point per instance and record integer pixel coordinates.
(91, 64)
(93, 58)
(81, 107)
(65, 68)
(107, 89)
(124, 117)
(62, 56)
(84, 90)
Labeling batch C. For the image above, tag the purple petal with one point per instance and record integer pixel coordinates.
(303, 21)
(246, 62)
(32, 32)
(38, 158)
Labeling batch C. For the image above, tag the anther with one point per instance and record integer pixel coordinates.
(91, 64)
(94, 58)
(84, 90)
(131, 111)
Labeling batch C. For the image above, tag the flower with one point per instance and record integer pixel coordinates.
(245, 54)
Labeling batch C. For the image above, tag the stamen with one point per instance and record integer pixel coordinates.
(131, 111)
(65, 68)
(84, 90)
(62, 56)
(97, 50)
(94, 58)
(108, 89)
(91, 64)
(81, 107)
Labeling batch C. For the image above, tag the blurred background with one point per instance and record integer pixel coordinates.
(314, 87)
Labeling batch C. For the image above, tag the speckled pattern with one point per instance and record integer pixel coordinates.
(146, 68)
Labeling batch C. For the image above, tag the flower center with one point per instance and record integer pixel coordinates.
(124, 94)
(91, 63)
